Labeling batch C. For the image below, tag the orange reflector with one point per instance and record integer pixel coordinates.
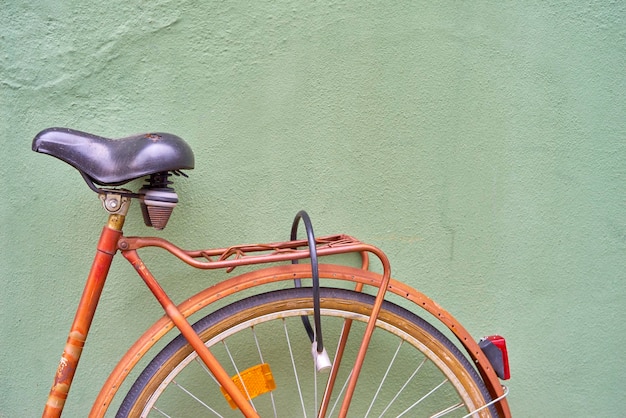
(257, 380)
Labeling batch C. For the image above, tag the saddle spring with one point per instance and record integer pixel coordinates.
(158, 199)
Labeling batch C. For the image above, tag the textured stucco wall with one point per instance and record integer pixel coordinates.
(481, 144)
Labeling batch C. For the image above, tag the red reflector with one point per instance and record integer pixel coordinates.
(499, 359)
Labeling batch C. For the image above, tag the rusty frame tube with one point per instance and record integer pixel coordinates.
(369, 330)
(334, 371)
(185, 328)
(105, 250)
(345, 332)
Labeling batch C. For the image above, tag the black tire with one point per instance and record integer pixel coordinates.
(402, 339)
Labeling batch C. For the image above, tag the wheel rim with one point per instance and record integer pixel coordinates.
(251, 319)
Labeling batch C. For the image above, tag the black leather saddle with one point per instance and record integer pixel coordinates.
(113, 162)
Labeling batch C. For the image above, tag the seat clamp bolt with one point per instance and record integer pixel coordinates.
(115, 203)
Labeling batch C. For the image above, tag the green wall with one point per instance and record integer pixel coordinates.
(481, 144)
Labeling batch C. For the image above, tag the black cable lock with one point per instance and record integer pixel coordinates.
(317, 334)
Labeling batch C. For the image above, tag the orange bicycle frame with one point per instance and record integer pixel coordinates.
(112, 240)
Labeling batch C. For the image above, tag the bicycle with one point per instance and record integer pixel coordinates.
(251, 356)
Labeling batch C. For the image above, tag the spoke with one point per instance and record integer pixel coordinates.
(208, 372)
(382, 382)
(243, 384)
(160, 412)
(424, 397)
(343, 388)
(206, 369)
(448, 410)
(295, 372)
(504, 395)
(258, 346)
(419, 367)
(196, 398)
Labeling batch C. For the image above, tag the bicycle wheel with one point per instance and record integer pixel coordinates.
(411, 369)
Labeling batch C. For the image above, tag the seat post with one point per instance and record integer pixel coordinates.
(117, 206)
